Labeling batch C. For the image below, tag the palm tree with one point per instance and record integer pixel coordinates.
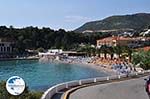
(103, 50)
(98, 51)
(117, 50)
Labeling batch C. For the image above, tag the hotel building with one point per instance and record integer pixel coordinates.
(123, 41)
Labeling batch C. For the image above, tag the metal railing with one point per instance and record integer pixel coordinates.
(55, 89)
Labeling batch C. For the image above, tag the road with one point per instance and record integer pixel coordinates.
(130, 89)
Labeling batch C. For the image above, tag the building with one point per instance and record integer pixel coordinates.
(123, 41)
(147, 48)
(60, 52)
(74, 53)
(51, 52)
(55, 51)
(6, 48)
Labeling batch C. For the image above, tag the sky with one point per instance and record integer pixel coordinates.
(66, 14)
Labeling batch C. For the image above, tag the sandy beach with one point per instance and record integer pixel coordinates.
(110, 67)
(93, 66)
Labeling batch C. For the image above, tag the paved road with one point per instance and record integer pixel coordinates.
(131, 89)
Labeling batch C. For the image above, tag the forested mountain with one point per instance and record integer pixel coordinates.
(134, 21)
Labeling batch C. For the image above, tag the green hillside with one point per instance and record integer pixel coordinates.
(134, 21)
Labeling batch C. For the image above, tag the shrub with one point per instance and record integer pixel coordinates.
(142, 59)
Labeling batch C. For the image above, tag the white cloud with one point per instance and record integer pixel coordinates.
(75, 18)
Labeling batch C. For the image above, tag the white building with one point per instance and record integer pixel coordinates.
(6, 49)
(55, 51)
(51, 52)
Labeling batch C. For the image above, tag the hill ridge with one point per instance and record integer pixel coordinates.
(129, 21)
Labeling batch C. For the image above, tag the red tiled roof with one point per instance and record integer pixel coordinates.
(122, 38)
(147, 48)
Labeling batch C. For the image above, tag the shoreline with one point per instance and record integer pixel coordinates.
(89, 65)
(100, 68)
(109, 72)
(97, 67)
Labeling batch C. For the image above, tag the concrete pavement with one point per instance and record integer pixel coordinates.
(130, 89)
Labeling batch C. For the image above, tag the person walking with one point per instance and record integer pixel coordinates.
(147, 87)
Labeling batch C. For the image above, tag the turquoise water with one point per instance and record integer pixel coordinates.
(40, 76)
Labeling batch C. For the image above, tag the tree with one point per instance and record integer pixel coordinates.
(103, 50)
(33, 38)
(40, 49)
(141, 59)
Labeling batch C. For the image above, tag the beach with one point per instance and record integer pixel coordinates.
(97, 67)
(111, 67)
(85, 63)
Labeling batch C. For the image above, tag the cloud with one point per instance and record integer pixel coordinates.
(74, 19)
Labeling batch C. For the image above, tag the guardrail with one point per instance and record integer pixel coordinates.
(55, 89)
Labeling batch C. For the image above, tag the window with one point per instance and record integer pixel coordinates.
(4, 49)
(8, 49)
(0, 49)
